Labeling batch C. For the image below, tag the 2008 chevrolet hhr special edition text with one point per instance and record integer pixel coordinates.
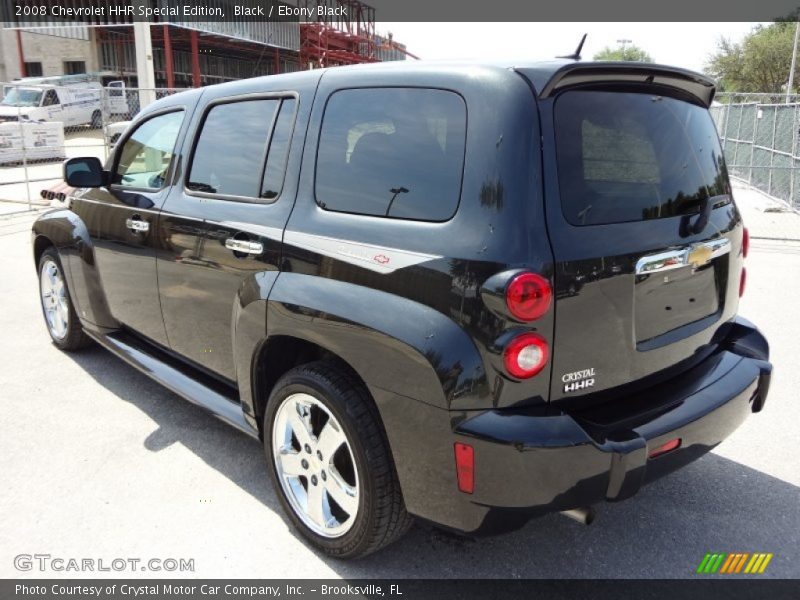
(467, 293)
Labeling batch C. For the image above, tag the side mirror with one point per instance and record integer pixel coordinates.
(85, 172)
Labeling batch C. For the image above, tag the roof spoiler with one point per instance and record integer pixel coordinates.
(581, 74)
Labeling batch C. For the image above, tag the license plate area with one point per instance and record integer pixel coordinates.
(666, 301)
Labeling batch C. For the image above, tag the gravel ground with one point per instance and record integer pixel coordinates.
(100, 462)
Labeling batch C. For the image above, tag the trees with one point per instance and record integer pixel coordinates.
(624, 52)
(759, 63)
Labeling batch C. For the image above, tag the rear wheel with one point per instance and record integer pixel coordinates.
(330, 462)
(97, 120)
(62, 323)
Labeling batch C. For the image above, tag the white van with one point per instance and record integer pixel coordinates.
(71, 99)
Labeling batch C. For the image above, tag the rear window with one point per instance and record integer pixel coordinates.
(633, 157)
(392, 152)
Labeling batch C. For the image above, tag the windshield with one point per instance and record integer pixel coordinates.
(633, 157)
(22, 97)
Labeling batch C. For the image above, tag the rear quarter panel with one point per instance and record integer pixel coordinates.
(428, 308)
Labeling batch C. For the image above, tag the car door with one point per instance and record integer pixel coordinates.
(116, 102)
(222, 228)
(51, 103)
(122, 218)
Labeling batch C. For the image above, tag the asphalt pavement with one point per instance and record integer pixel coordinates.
(99, 462)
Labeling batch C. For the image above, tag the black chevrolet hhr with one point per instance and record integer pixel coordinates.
(471, 294)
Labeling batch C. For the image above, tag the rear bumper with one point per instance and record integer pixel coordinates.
(527, 464)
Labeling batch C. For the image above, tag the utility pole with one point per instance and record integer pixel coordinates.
(794, 62)
(144, 62)
(623, 42)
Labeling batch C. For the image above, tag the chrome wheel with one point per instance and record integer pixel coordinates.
(315, 465)
(54, 299)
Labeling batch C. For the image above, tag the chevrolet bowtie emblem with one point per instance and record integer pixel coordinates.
(699, 255)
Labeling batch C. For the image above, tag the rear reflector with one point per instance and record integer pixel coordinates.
(745, 242)
(465, 467)
(664, 448)
(742, 282)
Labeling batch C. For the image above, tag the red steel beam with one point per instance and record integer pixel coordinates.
(22, 68)
(195, 59)
(168, 58)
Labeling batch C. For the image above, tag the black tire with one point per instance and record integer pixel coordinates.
(74, 337)
(97, 120)
(381, 517)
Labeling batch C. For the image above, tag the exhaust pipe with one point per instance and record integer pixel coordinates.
(584, 516)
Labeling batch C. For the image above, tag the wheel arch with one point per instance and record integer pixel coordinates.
(40, 243)
(277, 355)
(66, 231)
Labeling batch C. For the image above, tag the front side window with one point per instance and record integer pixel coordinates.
(145, 158)
(229, 155)
(50, 98)
(632, 157)
(392, 152)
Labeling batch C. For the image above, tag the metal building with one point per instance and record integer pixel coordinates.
(188, 53)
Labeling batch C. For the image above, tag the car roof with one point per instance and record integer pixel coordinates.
(546, 76)
(549, 76)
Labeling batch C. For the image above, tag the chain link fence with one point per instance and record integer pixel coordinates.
(43, 122)
(760, 138)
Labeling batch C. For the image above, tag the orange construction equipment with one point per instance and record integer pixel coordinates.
(343, 33)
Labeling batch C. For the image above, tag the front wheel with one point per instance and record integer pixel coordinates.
(330, 462)
(97, 120)
(62, 323)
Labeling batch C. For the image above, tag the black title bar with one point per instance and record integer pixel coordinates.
(731, 588)
(111, 12)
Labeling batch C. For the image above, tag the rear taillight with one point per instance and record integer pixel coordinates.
(745, 242)
(745, 250)
(742, 282)
(528, 296)
(465, 467)
(526, 355)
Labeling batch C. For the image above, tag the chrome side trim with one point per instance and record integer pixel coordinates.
(224, 407)
(695, 255)
(375, 258)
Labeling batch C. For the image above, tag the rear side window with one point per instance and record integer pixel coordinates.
(275, 168)
(229, 155)
(633, 157)
(392, 152)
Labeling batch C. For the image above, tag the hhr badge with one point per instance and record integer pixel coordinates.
(578, 380)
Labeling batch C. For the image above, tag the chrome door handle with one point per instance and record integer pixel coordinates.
(245, 246)
(137, 225)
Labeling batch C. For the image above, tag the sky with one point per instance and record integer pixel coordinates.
(686, 45)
